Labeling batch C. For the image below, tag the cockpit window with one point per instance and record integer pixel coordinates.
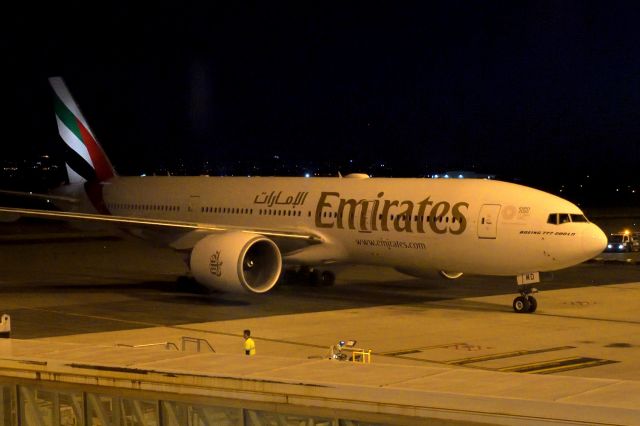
(578, 218)
(560, 218)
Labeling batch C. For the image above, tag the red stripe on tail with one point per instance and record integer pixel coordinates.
(103, 168)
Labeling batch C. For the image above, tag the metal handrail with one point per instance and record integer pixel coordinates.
(170, 345)
(197, 341)
(167, 345)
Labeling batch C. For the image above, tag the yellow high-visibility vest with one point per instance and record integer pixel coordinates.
(249, 346)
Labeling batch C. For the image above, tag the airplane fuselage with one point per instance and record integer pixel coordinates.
(418, 225)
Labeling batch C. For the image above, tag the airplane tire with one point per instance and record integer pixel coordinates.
(315, 278)
(521, 305)
(533, 304)
(327, 278)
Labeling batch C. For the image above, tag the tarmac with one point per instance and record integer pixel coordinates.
(455, 346)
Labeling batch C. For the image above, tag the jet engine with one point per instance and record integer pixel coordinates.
(235, 261)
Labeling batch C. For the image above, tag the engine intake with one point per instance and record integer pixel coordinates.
(236, 261)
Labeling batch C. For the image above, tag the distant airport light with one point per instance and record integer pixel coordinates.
(307, 175)
(446, 176)
(460, 176)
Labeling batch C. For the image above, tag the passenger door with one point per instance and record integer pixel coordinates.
(488, 221)
(194, 206)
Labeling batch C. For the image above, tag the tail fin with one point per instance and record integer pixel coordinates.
(87, 161)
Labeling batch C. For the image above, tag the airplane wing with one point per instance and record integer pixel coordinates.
(34, 195)
(161, 224)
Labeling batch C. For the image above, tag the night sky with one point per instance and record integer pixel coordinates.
(512, 88)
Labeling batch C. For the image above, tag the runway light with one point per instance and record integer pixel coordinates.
(307, 175)
(460, 176)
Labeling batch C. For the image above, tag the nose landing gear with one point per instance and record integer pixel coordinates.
(525, 303)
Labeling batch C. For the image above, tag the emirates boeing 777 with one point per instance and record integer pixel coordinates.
(237, 233)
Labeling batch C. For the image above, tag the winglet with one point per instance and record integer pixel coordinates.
(90, 161)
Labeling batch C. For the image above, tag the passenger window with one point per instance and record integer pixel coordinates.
(578, 218)
(563, 218)
(553, 219)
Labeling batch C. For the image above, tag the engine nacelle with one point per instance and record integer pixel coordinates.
(451, 275)
(430, 274)
(235, 261)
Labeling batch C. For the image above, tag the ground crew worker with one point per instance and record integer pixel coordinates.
(249, 344)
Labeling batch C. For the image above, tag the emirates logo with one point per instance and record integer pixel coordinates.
(215, 264)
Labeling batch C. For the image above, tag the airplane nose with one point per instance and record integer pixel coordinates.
(594, 241)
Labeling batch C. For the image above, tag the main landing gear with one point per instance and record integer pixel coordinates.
(315, 277)
(525, 303)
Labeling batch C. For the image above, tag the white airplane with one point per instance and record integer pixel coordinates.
(236, 233)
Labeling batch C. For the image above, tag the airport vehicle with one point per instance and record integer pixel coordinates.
(623, 241)
(236, 233)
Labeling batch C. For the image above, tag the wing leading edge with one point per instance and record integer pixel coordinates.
(159, 224)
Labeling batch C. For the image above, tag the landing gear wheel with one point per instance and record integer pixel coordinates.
(315, 277)
(533, 304)
(521, 304)
(327, 278)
